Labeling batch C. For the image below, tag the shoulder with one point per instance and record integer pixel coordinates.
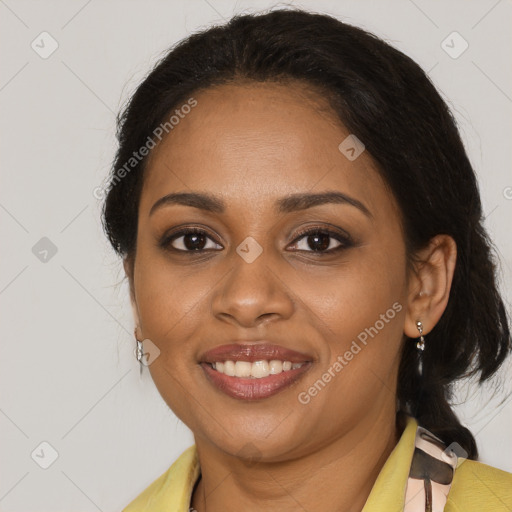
(477, 486)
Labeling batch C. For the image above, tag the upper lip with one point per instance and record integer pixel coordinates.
(254, 351)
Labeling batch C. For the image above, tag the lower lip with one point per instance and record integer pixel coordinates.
(254, 389)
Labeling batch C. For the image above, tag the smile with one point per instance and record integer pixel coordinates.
(254, 381)
(253, 370)
(256, 370)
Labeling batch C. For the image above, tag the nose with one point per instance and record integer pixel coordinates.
(252, 294)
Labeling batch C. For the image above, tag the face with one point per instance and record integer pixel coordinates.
(325, 279)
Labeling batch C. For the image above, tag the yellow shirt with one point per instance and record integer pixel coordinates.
(476, 487)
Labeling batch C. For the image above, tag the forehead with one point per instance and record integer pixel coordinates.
(257, 141)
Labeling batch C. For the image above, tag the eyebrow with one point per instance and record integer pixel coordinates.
(288, 204)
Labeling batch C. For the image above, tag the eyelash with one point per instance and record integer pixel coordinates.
(344, 240)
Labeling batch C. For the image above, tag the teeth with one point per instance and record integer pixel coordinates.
(243, 369)
(255, 370)
(259, 369)
(275, 367)
(229, 368)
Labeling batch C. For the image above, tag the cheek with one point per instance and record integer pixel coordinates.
(170, 299)
(364, 308)
(358, 309)
(353, 296)
(171, 305)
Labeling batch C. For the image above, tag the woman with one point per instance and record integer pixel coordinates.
(302, 233)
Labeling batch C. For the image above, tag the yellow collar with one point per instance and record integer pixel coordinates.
(173, 489)
(388, 491)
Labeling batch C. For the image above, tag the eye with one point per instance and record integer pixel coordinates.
(189, 240)
(322, 241)
(316, 240)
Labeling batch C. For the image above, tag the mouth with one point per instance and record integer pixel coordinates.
(253, 371)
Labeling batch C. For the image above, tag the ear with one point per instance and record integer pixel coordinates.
(429, 285)
(128, 265)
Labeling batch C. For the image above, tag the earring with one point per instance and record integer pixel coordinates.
(420, 345)
(139, 351)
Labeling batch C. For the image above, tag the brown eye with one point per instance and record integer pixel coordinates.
(321, 241)
(189, 240)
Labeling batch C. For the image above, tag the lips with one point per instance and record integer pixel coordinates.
(254, 351)
(252, 388)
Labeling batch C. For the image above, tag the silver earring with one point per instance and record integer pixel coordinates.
(420, 345)
(139, 352)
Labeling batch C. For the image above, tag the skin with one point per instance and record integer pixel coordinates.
(251, 144)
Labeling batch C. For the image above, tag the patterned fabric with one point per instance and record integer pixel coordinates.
(431, 474)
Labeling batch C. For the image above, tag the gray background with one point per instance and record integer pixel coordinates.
(68, 375)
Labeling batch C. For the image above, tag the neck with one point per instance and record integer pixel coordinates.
(337, 476)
